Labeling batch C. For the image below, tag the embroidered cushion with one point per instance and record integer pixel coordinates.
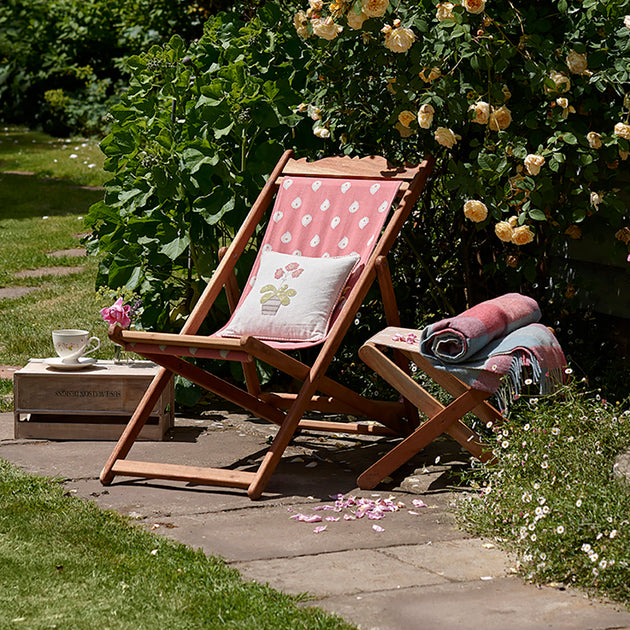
(292, 297)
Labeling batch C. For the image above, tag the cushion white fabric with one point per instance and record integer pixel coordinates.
(292, 298)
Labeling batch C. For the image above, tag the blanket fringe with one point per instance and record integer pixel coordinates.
(526, 366)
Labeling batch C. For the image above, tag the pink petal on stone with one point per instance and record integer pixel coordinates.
(377, 528)
(419, 503)
(332, 518)
(319, 529)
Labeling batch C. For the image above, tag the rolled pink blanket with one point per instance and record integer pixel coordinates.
(457, 339)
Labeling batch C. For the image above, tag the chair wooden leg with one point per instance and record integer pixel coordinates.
(423, 435)
(281, 441)
(135, 424)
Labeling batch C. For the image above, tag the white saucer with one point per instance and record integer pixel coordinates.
(57, 364)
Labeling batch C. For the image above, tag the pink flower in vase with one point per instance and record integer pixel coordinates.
(117, 313)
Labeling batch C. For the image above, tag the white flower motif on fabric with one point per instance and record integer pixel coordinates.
(277, 216)
(306, 219)
(297, 252)
(363, 222)
(354, 254)
(374, 188)
(252, 280)
(296, 203)
(343, 243)
(384, 206)
(286, 237)
(325, 205)
(335, 222)
(315, 241)
(267, 247)
(286, 183)
(315, 185)
(345, 187)
(354, 206)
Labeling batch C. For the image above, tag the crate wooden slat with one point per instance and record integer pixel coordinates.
(90, 404)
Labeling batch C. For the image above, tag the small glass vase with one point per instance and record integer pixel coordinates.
(121, 357)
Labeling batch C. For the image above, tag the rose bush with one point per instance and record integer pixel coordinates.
(525, 106)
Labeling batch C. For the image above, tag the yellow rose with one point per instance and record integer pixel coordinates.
(446, 137)
(425, 116)
(321, 132)
(434, 73)
(594, 139)
(623, 235)
(482, 112)
(533, 163)
(561, 81)
(596, 199)
(355, 20)
(577, 63)
(445, 11)
(622, 130)
(406, 117)
(504, 231)
(475, 210)
(474, 6)
(512, 221)
(574, 232)
(399, 40)
(316, 5)
(325, 28)
(522, 235)
(374, 8)
(500, 118)
(300, 22)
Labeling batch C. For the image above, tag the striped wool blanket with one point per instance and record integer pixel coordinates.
(497, 346)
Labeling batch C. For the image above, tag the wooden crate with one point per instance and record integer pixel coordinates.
(90, 404)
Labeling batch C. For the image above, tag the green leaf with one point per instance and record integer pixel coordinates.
(176, 247)
(537, 215)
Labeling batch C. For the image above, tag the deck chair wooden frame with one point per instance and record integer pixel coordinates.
(317, 392)
(440, 419)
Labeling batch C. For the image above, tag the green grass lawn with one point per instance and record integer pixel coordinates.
(77, 159)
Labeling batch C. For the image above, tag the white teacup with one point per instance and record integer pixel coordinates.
(71, 344)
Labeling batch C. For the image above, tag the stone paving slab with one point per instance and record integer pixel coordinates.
(421, 571)
(498, 604)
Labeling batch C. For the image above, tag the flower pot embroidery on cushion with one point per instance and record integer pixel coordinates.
(275, 296)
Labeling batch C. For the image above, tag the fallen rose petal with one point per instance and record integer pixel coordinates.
(307, 518)
(419, 503)
(378, 528)
(319, 529)
(413, 513)
(332, 518)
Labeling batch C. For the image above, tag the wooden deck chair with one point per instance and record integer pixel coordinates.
(326, 212)
(440, 419)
